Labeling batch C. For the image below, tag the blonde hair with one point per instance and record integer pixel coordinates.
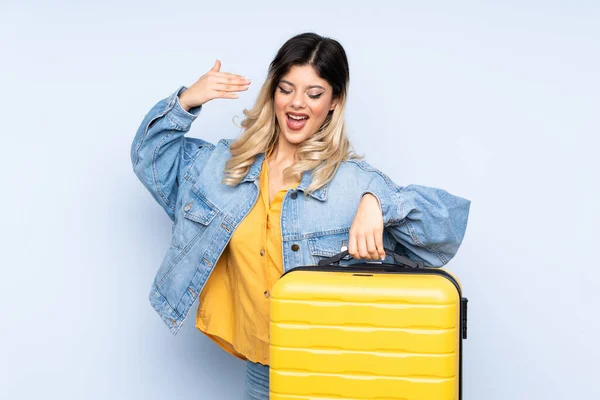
(322, 153)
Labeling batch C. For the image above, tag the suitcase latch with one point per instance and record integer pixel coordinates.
(463, 305)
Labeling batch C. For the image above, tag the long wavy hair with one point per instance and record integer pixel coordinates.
(323, 152)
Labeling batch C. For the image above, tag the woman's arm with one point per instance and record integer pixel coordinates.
(160, 154)
(428, 222)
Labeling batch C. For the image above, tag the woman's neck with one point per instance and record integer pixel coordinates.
(283, 155)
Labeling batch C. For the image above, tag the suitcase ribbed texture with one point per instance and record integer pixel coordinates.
(344, 335)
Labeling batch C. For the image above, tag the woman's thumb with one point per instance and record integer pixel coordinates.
(217, 66)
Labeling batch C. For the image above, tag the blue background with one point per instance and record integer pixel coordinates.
(497, 102)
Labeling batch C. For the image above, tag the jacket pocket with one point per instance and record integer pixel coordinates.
(195, 215)
(328, 244)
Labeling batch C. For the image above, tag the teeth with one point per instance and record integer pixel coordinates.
(296, 118)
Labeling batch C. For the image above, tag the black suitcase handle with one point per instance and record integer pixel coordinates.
(400, 261)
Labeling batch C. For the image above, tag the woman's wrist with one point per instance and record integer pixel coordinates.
(183, 103)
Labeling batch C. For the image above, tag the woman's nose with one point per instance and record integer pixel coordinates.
(298, 100)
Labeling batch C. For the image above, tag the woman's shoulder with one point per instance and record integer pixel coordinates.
(225, 141)
(362, 168)
(361, 165)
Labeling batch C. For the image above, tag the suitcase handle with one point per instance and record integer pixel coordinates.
(400, 261)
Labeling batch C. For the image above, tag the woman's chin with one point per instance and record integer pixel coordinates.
(294, 137)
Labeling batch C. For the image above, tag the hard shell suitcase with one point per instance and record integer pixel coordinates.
(367, 331)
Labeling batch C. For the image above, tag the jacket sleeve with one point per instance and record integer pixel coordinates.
(160, 154)
(428, 222)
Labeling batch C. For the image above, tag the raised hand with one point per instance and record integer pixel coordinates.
(214, 84)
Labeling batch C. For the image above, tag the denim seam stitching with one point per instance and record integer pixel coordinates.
(139, 146)
(184, 251)
(157, 291)
(304, 236)
(177, 124)
(189, 304)
(416, 240)
(155, 172)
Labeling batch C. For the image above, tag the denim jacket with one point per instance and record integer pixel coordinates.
(184, 176)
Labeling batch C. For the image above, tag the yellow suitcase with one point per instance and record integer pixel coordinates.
(367, 331)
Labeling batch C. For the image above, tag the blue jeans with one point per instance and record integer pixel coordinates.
(257, 381)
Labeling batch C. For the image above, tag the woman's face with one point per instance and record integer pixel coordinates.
(302, 92)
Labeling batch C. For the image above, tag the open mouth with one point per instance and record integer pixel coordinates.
(297, 117)
(295, 122)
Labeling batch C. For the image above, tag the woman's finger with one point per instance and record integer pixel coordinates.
(362, 247)
(352, 245)
(231, 81)
(230, 88)
(227, 75)
(371, 248)
(226, 95)
(379, 244)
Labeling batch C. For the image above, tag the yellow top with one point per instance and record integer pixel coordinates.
(234, 304)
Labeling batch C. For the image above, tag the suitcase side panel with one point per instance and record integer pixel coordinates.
(364, 336)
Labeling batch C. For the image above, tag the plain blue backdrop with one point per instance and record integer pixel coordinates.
(497, 102)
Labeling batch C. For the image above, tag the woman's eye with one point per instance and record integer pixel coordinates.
(312, 96)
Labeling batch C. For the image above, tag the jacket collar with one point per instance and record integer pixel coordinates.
(254, 173)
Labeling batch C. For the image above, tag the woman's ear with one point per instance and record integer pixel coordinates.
(333, 104)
